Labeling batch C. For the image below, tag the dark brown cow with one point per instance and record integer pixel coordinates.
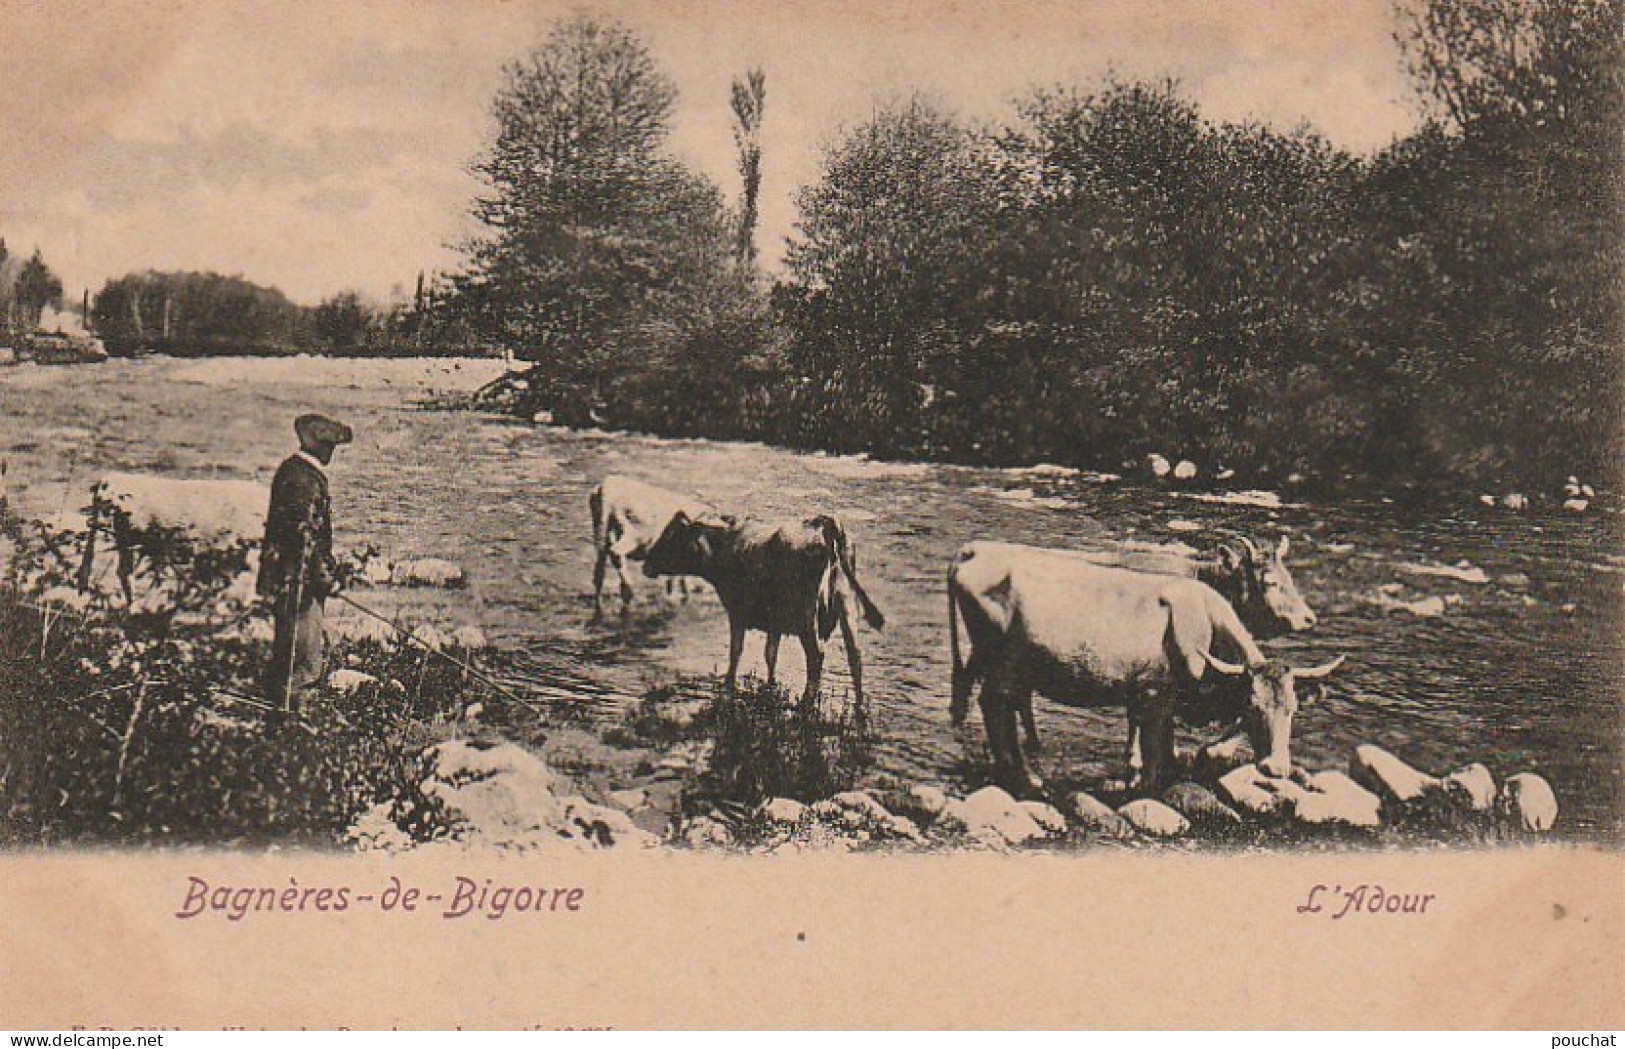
(788, 577)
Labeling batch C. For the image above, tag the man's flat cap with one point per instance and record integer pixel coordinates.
(319, 429)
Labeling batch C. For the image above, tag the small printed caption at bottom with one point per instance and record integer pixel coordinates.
(463, 898)
(1363, 900)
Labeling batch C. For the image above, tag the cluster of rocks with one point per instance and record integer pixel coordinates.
(488, 794)
(1577, 497)
(413, 571)
(481, 794)
(925, 816)
(1378, 792)
(1381, 791)
(1184, 470)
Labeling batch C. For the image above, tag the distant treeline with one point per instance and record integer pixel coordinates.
(206, 314)
(27, 286)
(1105, 274)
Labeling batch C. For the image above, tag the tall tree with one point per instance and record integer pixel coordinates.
(592, 225)
(889, 252)
(35, 288)
(749, 100)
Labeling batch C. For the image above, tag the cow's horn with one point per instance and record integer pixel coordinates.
(1316, 673)
(1286, 541)
(1252, 548)
(1232, 669)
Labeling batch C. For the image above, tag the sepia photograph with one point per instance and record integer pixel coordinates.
(726, 440)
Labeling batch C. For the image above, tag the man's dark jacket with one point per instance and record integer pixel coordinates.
(298, 523)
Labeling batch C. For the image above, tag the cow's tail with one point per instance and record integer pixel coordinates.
(835, 535)
(959, 702)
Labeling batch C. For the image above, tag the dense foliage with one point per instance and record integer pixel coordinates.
(142, 722)
(1108, 274)
(27, 286)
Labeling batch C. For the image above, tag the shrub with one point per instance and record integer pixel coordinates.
(143, 723)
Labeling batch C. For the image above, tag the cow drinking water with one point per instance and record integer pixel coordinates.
(1089, 635)
(1256, 582)
(789, 577)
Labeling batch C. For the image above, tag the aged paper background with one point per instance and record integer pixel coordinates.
(1516, 938)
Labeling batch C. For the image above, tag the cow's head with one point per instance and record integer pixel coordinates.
(1272, 702)
(685, 547)
(1262, 590)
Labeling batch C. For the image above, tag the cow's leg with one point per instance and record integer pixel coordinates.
(854, 661)
(770, 652)
(619, 560)
(1003, 695)
(598, 577)
(1133, 756)
(814, 650)
(736, 649)
(1029, 724)
(1157, 743)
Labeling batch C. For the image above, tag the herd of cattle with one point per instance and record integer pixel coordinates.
(1157, 634)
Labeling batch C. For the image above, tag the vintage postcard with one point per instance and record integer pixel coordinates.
(811, 514)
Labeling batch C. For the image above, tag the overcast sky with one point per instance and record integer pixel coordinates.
(320, 146)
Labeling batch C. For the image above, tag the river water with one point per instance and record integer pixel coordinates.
(1521, 671)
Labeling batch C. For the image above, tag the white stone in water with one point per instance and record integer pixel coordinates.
(627, 800)
(347, 681)
(1527, 802)
(1198, 804)
(1225, 753)
(992, 812)
(927, 800)
(599, 826)
(1472, 787)
(1149, 816)
(1377, 770)
(1185, 470)
(1515, 501)
(858, 811)
(1248, 788)
(1094, 814)
(1046, 816)
(427, 571)
(706, 832)
(784, 810)
(498, 793)
(1159, 465)
(1334, 798)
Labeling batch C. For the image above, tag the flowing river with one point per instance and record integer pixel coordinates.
(1475, 634)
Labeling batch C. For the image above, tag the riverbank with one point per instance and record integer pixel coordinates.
(1478, 634)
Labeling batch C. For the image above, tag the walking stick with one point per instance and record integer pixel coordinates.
(465, 667)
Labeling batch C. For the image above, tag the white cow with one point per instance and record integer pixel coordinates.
(627, 517)
(146, 515)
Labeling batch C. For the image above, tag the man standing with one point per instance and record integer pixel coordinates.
(297, 569)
